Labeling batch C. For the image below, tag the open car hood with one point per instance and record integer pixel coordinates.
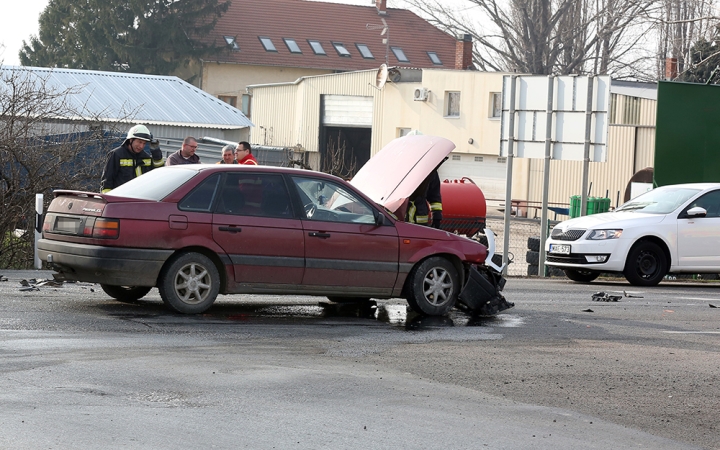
(397, 170)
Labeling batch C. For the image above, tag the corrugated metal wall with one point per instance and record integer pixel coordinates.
(294, 109)
(631, 147)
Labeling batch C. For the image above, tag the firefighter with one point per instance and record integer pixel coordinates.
(130, 159)
(425, 199)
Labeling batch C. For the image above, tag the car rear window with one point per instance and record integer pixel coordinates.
(156, 184)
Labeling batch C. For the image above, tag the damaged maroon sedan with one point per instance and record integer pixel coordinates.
(196, 231)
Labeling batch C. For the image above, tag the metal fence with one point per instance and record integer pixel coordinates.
(524, 242)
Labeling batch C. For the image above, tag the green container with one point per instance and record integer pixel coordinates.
(605, 204)
(592, 205)
(574, 206)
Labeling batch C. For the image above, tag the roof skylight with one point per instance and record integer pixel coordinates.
(399, 54)
(317, 47)
(292, 45)
(434, 58)
(268, 44)
(230, 41)
(340, 48)
(365, 51)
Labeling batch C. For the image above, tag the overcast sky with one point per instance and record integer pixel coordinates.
(21, 21)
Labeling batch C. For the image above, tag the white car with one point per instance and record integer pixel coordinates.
(671, 229)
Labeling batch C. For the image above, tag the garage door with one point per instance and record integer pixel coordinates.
(347, 111)
(485, 171)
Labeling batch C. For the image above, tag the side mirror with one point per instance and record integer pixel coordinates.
(696, 212)
(379, 219)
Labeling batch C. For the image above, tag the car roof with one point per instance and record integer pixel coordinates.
(701, 186)
(252, 168)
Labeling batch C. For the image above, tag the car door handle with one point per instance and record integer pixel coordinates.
(320, 235)
(231, 229)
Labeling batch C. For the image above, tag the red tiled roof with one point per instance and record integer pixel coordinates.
(300, 20)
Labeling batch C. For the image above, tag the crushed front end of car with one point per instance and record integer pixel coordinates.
(481, 295)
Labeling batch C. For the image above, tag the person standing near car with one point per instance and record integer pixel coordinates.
(426, 199)
(186, 154)
(243, 154)
(228, 155)
(130, 160)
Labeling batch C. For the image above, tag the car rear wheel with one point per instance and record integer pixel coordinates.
(434, 287)
(646, 264)
(189, 283)
(581, 276)
(126, 294)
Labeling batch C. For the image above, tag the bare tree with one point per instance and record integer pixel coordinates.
(36, 159)
(546, 36)
(680, 24)
(337, 160)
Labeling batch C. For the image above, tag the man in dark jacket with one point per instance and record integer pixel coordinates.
(130, 159)
(186, 154)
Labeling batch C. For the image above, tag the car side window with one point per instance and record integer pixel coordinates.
(262, 195)
(710, 202)
(331, 202)
(201, 198)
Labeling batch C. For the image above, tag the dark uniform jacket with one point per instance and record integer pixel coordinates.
(123, 165)
(176, 159)
(426, 198)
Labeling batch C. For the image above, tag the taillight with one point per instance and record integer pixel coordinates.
(106, 228)
(47, 223)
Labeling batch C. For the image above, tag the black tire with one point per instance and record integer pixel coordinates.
(581, 276)
(532, 258)
(434, 287)
(126, 294)
(532, 270)
(189, 283)
(534, 243)
(646, 264)
(349, 299)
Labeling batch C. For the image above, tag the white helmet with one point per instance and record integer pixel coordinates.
(138, 132)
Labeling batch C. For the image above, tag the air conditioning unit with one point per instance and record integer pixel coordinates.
(421, 94)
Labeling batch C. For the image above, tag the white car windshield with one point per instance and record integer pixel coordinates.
(659, 201)
(156, 184)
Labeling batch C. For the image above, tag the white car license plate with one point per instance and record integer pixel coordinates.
(561, 249)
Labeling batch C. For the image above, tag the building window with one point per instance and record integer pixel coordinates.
(317, 47)
(452, 104)
(340, 48)
(502, 160)
(434, 58)
(245, 107)
(456, 157)
(403, 132)
(364, 51)
(292, 45)
(268, 44)
(399, 54)
(495, 105)
(229, 99)
(478, 159)
(230, 41)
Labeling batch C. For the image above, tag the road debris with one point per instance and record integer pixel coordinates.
(605, 297)
(587, 310)
(632, 295)
(712, 306)
(34, 285)
(3, 278)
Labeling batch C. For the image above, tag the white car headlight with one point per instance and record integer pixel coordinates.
(598, 235)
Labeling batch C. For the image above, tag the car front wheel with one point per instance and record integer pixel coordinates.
(125, 294)
(189, 283)
(646, 264)
(434, 287)
(581, 276)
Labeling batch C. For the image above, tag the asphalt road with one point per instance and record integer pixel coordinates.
(558, 371)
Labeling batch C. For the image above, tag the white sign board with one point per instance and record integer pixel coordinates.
(569, 115)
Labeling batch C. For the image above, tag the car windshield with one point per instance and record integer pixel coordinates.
(659, 201)
(156, 184)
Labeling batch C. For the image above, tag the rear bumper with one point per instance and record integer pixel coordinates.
(105, 265)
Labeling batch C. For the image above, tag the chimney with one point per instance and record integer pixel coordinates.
(381, 6)
(463, 53)
(671, 68)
